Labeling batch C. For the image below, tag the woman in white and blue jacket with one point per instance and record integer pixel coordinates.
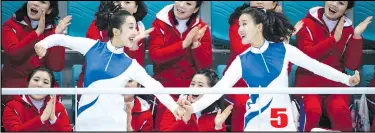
(107, 66)
(265, 64)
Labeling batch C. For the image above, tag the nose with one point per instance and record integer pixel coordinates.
(40, 84)
(334, 3)
(182, 4)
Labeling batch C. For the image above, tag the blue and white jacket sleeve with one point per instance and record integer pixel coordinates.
(231, 76)
(140, 75)
(80, 44)
(300, 59)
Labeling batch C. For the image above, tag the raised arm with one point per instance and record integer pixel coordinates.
(139, 74)
(299, 58)
(80, 44)
(231, 76)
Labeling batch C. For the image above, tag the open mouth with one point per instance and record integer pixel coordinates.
(195, 95)
(332, 10)
(33, 11)
(131, 39)
(180, 11)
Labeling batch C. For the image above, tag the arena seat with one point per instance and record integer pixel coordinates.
(220, 70)
(366, 74)
(83, 13)
(150, 70)
(76, 71)
(153, 7)
(296, 10)
(362, 10)
(8, 8)
(220, 12)
(59, 78)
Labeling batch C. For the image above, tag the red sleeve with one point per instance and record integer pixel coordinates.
(139, 54)
(289, 67)
(169, 123)
(93, 31)
(307, 45)
(157, 51)
(18, 49)
(62, 123)
(353, 54)
(148, 126)
(13, 123)
(203, 54)
(235, 40)
(207, 124)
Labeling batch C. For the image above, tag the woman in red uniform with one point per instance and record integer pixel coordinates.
(36, 112)
(31, 23)
(138, 110)
(179, 46)
(97, 29)
(329, 37)
(210, 119)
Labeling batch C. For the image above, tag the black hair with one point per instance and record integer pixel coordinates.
(212, 78)
(141, 11)
(192, 17)
(350, 5)
(238, 11)
(43, 69)
(108, 8)
(50, 18)
(276, 27)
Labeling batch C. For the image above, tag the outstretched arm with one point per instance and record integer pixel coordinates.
(299, 58)
(80, 44)
(140, 75)
(231, 76)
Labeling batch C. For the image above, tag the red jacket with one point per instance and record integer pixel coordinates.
(141, 116)
(173, 65)
(18, 40)
(94, 33)
(206, 123)
(21, 115)
(315, 40)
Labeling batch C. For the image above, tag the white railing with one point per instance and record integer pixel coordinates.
(294, 90)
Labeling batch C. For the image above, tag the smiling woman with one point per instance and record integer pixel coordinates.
(112, 69)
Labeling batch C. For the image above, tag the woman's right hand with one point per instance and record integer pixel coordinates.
(355, 79)
(190, 36)
(47, 111)
(188, 111)
(42, 23)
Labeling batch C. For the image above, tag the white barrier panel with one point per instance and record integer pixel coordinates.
(294, 90)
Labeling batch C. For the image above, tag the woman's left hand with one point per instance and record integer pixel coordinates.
(63, 24)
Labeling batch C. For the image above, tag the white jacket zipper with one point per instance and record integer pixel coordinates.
(264, 61)
(108, 61)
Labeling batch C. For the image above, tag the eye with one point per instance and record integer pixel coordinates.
(341, 3)
(244, 24)
(189, 4)
(200, 85)
(44, 2)
(36, 80)
(47, 83)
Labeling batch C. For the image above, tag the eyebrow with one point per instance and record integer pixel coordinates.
(131, 23)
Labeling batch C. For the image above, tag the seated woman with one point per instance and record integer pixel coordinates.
(36, 112)
(210, 119)
(138, 111)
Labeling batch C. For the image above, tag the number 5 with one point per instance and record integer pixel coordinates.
(279, 113)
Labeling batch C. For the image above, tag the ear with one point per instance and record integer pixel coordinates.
(196, 10)
(260, 27)
(116, 31)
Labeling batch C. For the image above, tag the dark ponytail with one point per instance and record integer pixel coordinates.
(105, 12)
(110, 16)
(276, 27)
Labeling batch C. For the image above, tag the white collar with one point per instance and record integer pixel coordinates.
(261, 49)
(113, 49)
